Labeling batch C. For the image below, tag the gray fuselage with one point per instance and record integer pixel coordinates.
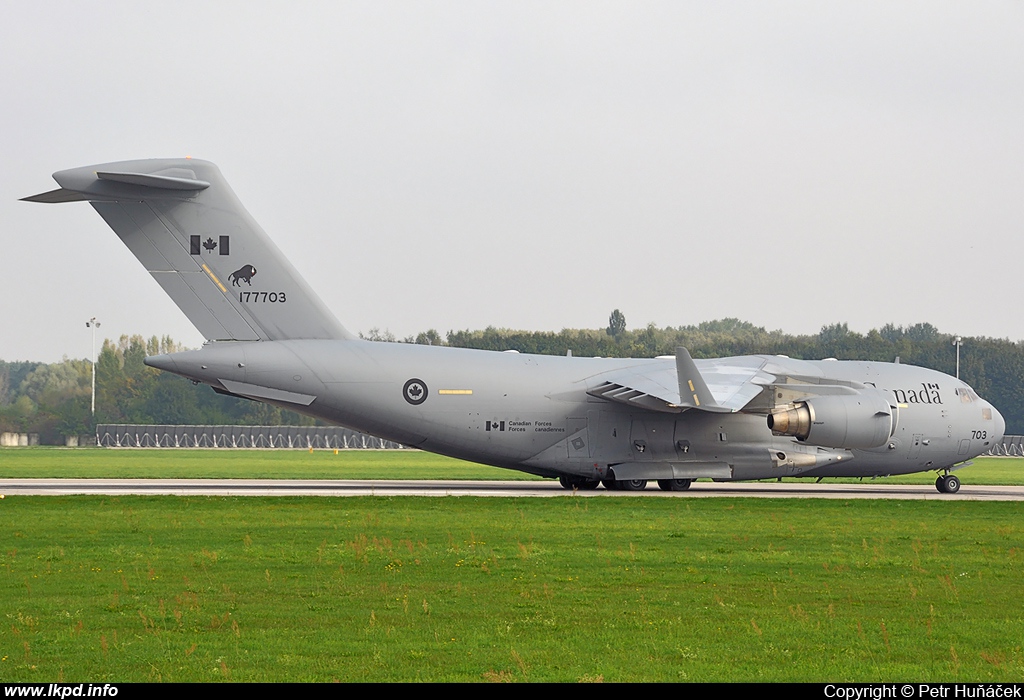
(533, 412)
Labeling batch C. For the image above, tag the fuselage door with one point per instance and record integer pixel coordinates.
(611, 436)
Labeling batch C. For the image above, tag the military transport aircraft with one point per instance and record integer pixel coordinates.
(586, 421)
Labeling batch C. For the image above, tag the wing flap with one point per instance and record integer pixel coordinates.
(631, 396)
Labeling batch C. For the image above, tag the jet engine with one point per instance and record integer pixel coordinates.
(851, 421)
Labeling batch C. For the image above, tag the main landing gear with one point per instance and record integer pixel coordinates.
(581, 484)
(569, 482)
(627, 485)
(947, 484)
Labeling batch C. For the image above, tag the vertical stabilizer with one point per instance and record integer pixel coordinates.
(186, 226)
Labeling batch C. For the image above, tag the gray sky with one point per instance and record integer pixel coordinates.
(535, 165)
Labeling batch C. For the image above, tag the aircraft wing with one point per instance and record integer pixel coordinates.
(724, 385)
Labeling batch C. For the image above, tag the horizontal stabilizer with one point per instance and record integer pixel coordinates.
(165, 182)
(57, 196)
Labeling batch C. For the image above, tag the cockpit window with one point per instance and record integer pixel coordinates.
(967, 395)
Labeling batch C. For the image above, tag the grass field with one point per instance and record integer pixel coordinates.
(324, 464)
(475, 589)
(94, 462)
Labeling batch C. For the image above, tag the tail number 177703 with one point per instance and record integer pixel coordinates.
(269, 297)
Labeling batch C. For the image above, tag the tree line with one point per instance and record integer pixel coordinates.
(993, 366)
(53, 400)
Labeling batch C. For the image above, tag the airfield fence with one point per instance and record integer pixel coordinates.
(305, 437)
(1011, 446)
(239, 436)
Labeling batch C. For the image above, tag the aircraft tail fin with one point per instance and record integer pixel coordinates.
(183, 222)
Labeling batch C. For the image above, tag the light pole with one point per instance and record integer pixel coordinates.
(957, 342)
(94, 324)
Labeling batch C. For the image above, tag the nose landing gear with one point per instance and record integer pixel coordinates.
(947, 484)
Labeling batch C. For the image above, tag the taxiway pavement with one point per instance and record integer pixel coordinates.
(520, 489)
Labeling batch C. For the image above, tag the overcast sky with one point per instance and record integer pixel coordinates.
(534, 165)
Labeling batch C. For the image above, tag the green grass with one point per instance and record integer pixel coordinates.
(476, 589)
(985, 471)
(59, 462)
(176, 463)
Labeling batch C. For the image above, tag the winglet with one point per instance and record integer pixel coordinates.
(693, 390)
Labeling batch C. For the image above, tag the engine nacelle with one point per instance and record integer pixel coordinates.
(852, 421)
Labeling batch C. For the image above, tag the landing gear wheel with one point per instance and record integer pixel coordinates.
(952, 484)
(610, 484)
(588, 485)
(567, 482)
(632, 485)
(940, 484)
(674, 484)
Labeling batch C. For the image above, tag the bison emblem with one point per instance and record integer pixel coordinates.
(244, 273)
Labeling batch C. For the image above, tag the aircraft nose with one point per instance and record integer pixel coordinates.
(999, 426)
